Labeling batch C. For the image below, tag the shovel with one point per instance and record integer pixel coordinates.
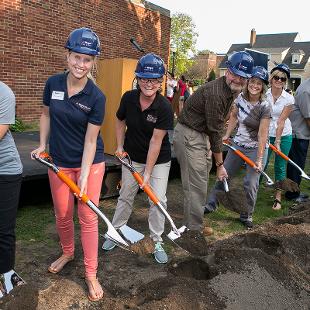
(112, 233)
(249, 162)
(8, 281)
(175, 233)
(278, 152)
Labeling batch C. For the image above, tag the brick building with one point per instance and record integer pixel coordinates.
(33, 33)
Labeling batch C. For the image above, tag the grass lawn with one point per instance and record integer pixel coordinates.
(33, 221)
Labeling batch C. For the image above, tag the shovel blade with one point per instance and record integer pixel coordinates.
(173, 236)
(131, 234)
(8, 281)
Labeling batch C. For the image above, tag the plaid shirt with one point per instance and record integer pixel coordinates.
(206, 110)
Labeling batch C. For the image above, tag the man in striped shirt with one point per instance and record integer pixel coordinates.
(199, 131)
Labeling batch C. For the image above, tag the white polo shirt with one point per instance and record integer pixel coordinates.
(277, 107)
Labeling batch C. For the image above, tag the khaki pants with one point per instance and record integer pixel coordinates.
(129, 189)
(192, 150)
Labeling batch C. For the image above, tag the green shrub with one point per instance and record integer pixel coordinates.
(19, 126)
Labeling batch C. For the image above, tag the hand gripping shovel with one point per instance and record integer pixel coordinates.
(248, 161)
(111, 234)
(278, 152)
(175, 233)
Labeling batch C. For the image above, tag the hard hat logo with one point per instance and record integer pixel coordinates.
(150, 66)
(83, 41)
(240, 63)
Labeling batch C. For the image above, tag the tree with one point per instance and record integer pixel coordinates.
(212, 76)
(183, 40)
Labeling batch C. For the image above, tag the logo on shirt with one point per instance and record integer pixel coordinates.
(151, 118)
(83, 107)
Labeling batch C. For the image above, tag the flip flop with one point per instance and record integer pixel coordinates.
(62, 262)
(91, 285)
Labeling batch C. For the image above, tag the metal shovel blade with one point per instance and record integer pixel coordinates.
(131, 234)
(173, 236)
(8, 281)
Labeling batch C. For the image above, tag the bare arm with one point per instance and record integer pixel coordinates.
(90, 145)
(120, 127)
(262, 140)
(3, 130)
(232, 122)
(153, 152)
(280, 124)
(44, 131)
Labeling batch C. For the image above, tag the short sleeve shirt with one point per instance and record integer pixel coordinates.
(69, 118)
(277, 107)
(10, 163)
(301, 111)
(141, 124)
(249, 117)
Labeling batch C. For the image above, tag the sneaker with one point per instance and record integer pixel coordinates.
(247, 223)
(108, 245)
(209, 208)
(160, 254)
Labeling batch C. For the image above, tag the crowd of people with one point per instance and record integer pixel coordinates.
(72, 115)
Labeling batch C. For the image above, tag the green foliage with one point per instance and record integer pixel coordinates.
(183, 39)
(212, 76)
(198, 82)
(19, 126)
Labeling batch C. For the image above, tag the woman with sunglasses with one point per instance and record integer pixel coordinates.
(280, 129)
(142, 123)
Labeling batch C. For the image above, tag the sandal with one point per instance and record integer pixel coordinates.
(60, 263)
(276, 205)
(95, 291)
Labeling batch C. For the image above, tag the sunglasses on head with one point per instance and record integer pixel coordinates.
(277, 78)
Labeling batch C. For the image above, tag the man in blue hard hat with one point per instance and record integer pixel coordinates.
(199, 131)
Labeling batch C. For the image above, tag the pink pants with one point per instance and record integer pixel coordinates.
(64, 209)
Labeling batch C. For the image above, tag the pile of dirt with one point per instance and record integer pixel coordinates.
(266, 268)
(143, 247)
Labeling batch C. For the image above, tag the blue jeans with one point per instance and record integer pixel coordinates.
(298, 154)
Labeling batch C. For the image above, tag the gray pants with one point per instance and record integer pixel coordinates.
(192, 150)
(129, 189)
(232, 165)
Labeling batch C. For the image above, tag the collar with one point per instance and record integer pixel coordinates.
(86, 90)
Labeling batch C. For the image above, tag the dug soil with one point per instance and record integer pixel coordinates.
(266, 268)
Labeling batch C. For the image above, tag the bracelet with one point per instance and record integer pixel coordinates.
(219, 164)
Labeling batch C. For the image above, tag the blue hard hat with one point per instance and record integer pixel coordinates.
(284, 68)
(261, 73)
(240, 63)
(150, 66)
(83, 41)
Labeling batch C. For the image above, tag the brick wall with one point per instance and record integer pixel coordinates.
(33, 33)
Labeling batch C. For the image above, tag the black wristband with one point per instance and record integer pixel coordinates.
(219, 164)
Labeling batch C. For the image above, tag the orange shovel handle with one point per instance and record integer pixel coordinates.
(278, 152)
(245, 158)
(147, 189)
(74, 188)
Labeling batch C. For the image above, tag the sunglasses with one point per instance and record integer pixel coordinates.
(277, 78)
(152, 81)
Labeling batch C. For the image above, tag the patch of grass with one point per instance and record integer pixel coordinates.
(32, 222)
(21, 126)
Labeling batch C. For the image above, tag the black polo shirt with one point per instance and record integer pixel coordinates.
(69, 118)
(141, 124)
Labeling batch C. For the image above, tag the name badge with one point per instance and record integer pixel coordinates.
(58, 95)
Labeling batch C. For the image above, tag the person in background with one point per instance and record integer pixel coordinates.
(72, 116)
(10, 183)
(171, 86)
(251, 112)
(199, 128)
(142, 123)
(183, 87)
(280, 130)
(300, 119)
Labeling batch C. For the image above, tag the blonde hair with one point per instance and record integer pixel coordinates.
(278, 73)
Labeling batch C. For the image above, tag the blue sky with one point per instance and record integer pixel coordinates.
(231, 21)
